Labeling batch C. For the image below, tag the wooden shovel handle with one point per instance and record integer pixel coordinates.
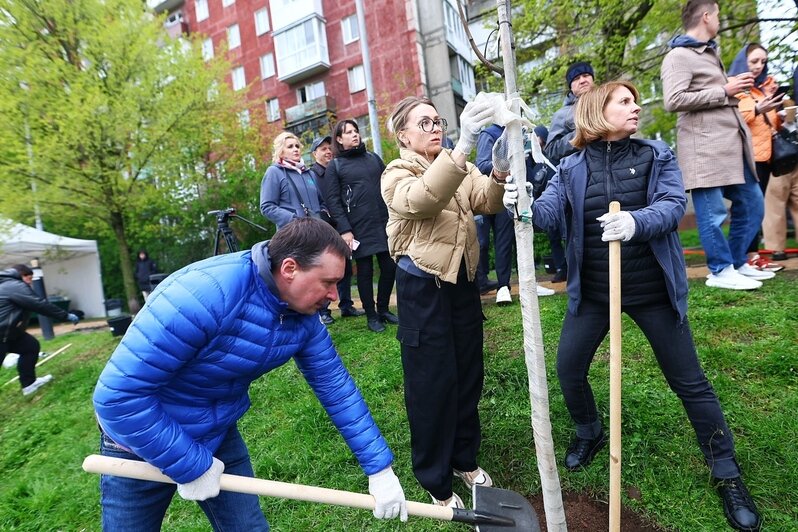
(615, 380)
(119, 467)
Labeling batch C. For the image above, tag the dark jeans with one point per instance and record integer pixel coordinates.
(345, 287)
(27, 347)
(672, 343)
(440, 329)
(365, 282)
(140, 505)
(503, 239)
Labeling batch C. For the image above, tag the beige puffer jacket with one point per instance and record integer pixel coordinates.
(431, 208)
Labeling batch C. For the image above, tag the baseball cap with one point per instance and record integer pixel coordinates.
(318, 142)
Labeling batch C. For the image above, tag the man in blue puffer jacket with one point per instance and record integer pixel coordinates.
(177, 384)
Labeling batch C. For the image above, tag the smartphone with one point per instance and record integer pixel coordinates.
(784, 89)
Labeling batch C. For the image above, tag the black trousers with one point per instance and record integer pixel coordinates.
(365, 282)
(672, 343)
(27, 347)
(345, 287)
(440, 329)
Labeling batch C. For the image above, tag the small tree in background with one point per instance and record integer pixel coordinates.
(112, 129)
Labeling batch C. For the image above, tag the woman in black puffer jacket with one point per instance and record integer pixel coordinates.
(352, 182)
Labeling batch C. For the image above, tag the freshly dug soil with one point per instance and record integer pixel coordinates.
(586, 514)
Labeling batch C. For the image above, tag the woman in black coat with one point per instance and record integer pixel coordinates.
(355, 202)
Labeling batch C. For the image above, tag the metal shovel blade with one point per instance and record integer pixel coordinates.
(498, 510)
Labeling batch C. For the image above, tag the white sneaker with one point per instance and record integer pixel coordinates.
(543, 291)
(38, 383)
(477, 477)
(503, 296)
(729, 278)
(452, 502)
(753, 273)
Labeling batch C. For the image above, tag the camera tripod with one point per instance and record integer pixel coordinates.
(223, 229)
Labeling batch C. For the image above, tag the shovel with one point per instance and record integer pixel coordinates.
(494, 509)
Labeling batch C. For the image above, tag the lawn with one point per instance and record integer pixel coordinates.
(747, 343)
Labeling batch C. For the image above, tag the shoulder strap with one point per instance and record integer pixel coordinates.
(296, 191)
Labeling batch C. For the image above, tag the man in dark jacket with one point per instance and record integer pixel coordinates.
(176, 386)
(321, 150)
(579, 79)
(17, 301)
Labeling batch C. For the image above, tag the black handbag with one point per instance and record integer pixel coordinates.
(784, 150)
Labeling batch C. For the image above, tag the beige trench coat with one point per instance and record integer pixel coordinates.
(711, 135)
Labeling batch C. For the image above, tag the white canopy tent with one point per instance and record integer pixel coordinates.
(71, 267)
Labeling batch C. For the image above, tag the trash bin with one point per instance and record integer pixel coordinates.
(156, 278)
(113, 307)
(119, 324)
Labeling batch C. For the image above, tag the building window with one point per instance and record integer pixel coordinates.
(243, 118)
(466, 72)
(202, 9)
(357, 78)
(349, 29)
(207, 49)
(233, 37)
(239, 79)
(228, 3)
(273, 110)
(454, 28)
(311, 91)
(261, 21)
(266, 66)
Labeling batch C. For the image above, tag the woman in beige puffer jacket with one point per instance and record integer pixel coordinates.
(432, 195)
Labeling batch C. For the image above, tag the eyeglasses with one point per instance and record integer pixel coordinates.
(427, 125)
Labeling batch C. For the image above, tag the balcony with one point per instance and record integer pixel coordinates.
(309, 110)
(177, 29)
(301, 50)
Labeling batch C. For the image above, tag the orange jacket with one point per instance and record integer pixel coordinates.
(761, 132)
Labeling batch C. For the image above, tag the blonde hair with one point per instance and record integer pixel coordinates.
(398, 119)
(589, 113)
(279, 144)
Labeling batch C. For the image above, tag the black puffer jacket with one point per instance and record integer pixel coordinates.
(352, 186)
(17, 301)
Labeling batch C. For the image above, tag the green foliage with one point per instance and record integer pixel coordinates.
(115, 130)
(746, 342)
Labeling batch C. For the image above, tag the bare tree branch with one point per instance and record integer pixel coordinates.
(495, 68)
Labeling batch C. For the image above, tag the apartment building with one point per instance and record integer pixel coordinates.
(302, 60)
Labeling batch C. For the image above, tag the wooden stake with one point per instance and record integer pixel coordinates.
(615, 380)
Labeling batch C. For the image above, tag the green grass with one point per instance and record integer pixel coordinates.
(747, 343)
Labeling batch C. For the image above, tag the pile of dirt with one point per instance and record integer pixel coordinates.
(584, 513)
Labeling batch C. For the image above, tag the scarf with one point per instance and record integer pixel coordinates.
(297, 166)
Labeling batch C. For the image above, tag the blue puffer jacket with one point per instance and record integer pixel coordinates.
(180, 377)
(562, 206)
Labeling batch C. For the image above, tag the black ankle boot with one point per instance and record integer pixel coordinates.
(581, 451)
(739, 507)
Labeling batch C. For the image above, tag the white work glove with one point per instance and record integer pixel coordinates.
(389, 498)
(510, 197)
(501, 154)
(617, 226)
(73, 318)
(205, 486)
(475, 116)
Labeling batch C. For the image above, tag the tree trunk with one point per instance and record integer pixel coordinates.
(533, 335)
(128, 280)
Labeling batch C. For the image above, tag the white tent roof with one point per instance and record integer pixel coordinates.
(20, 243)
(71, 266)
